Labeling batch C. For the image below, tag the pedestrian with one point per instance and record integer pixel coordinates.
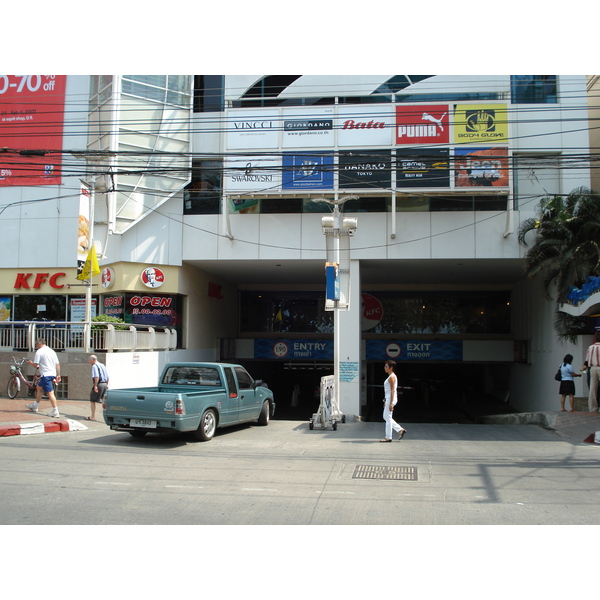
(99, 384)
(592, 362)
(390, 386)
(47, 362)
(567, 385)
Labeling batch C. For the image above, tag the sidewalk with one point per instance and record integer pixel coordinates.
(15, 419)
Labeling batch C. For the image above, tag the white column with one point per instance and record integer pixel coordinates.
(349, 349)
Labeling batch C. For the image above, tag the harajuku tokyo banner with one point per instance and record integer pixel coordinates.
(32, 111)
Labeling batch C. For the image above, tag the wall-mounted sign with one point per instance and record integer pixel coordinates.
(365, 169)
(422, 167)
(305, 129)
(422, 124)
(480, 123)
(293, 349)
(152, 277)
(252, 173)
(253, 129)
(32, 118)
(481, 167)
(307, 171)
(107, 277)
(417, 350)
(365, 126)
(372, 312)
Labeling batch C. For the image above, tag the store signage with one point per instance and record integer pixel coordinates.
(307, 171)
(252, 173)
(107, 277)
(365, 126)
(152, 277)
(480, 123)
(365, 169)
(422, 168)
(417, 350)
(372, 312)
(31, 120)
(293, 349)
(308, 129)
(481, 167)
(35, 281)
(422, 124)
(252, 129)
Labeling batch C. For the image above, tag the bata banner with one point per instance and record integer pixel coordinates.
(31, 127)
(307, 171)
(365, 126)
(480, 123)
(422, 168)
(365, 169)
(481, 167)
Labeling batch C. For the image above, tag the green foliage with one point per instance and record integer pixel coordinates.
(100, 319)
(565, 250)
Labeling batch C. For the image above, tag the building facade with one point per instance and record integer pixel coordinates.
(220, 191)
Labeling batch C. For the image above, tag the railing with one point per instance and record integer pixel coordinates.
(71, 336)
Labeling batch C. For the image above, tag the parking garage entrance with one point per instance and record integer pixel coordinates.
(429, 392)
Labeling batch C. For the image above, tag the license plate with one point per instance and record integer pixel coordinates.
(143, 423)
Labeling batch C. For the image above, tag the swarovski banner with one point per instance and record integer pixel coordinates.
(252, 173)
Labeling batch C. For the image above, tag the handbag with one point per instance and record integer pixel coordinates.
(558, 376)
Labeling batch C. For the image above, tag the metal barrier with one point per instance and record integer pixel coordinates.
(67, 335)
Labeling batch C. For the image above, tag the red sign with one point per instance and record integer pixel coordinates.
(372, 312)
(423, 124)
(31, 129)
(30, 281)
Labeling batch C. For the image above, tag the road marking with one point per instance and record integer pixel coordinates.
(111, 483)
(258, 490)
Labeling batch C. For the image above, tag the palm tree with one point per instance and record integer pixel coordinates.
(565, 251)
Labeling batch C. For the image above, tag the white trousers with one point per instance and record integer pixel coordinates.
(593, 395)
(390, 424)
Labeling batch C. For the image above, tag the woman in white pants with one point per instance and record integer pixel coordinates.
(390, 385)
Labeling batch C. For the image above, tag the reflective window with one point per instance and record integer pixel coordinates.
(533, 89)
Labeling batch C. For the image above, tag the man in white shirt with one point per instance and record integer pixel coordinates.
(592, 361)
(47, 361)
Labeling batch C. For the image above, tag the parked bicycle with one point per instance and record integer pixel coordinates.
(16, 377)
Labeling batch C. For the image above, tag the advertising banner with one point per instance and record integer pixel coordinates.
(252, 173)
(480, 123)
(293, 349)
(150, 309)
(253, 129)
(422, 124)
(31, 120)
(307, 171)
(304, 129)
(481, 167)
(422, 168)
(365, 126)
(365, 169)
(431, 350)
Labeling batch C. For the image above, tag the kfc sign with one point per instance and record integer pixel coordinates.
(28, 281)
(152, 277)
(422, 124)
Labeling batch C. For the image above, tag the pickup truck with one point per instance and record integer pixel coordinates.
(193, 397)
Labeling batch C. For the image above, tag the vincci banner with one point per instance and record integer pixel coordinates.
(31, 128)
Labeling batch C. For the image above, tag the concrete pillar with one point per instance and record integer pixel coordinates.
(349, 323)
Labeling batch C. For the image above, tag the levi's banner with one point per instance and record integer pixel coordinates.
(31, 128)
(480, 123)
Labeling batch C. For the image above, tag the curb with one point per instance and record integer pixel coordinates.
(49, 427)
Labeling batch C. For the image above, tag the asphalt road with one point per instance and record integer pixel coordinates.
(285, 474)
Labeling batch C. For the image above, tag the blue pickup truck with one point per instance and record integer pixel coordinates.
(193, 397)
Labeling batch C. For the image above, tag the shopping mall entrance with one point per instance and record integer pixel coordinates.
(431, 393)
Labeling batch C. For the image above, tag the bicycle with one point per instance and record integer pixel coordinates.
(16, 377)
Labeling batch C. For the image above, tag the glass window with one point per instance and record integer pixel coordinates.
(209, 93)
(243, 378)
(533, 89)
(535, 176)
(203, 194)
(172, 89)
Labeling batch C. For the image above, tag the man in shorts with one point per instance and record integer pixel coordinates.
(99, 384)
(47, 361)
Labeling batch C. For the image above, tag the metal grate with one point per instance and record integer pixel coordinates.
(374, 472)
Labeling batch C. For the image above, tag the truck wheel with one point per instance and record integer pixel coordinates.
(137, 433)
(208, 426)
(263, 418)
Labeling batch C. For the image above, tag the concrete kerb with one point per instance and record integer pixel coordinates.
(47, 427)
(544, 419)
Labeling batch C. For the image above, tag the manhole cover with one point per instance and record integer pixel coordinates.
(374, 472)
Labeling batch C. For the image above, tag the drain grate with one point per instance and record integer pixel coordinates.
(374, 472)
